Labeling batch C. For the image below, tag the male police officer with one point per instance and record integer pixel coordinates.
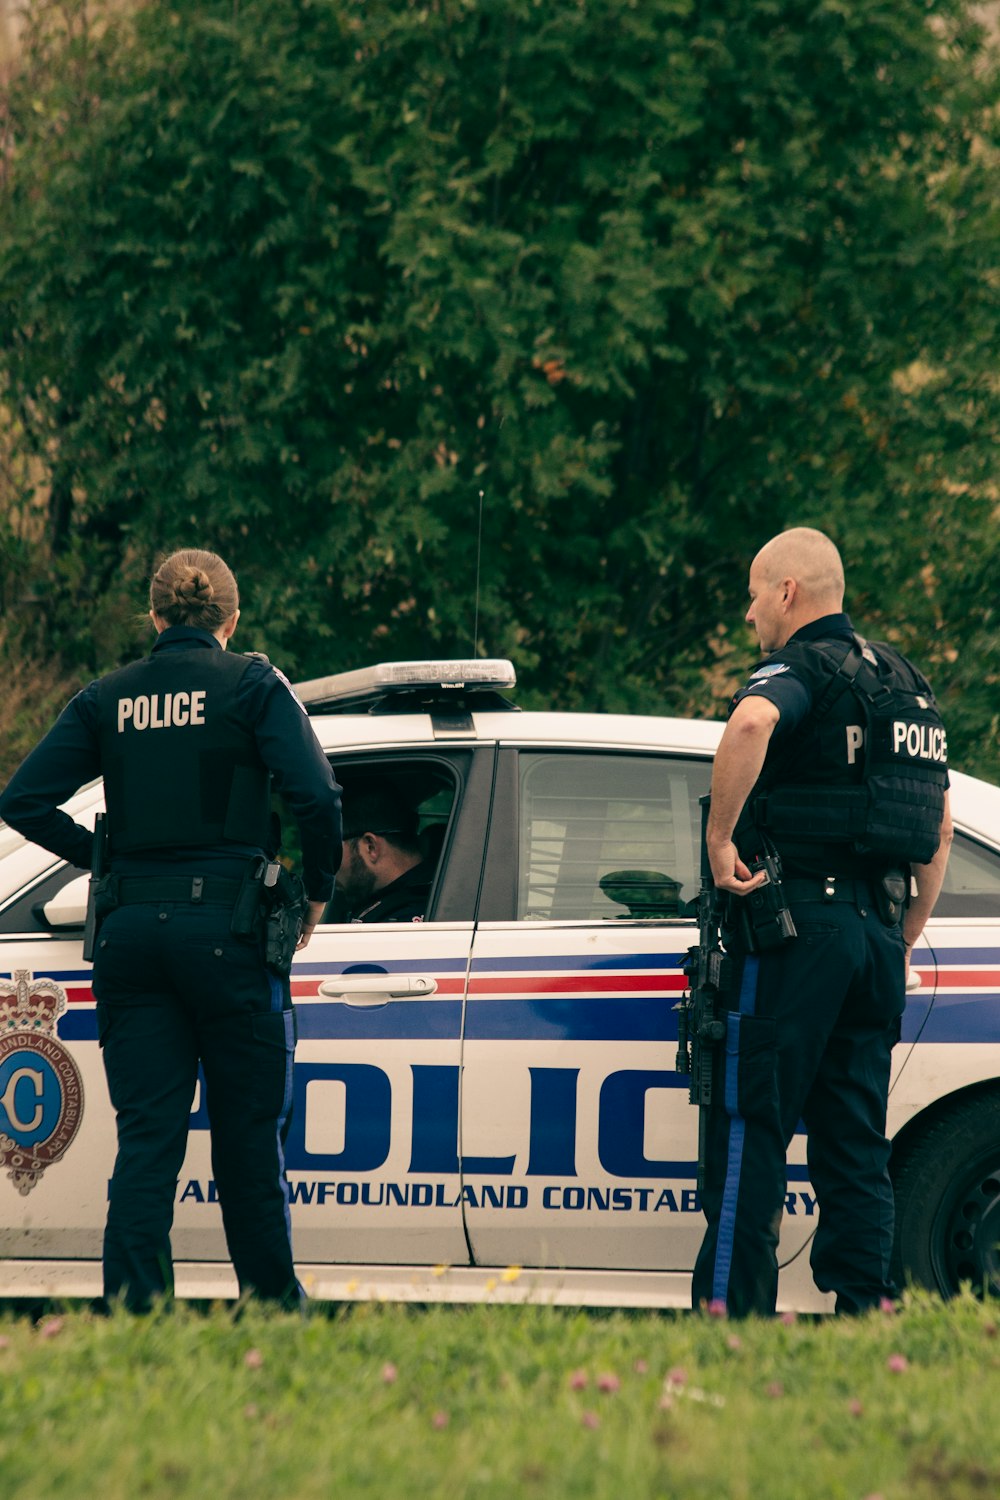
(834, 758)
(383, 876)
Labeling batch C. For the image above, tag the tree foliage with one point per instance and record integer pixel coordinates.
(318, 282)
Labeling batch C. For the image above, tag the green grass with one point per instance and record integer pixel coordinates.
(483, 1404)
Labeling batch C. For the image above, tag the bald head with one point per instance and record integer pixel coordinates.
(795, 578)
(810, 558)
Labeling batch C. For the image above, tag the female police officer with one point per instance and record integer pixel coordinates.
(189, 742)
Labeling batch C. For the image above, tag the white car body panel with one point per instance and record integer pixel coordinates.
(489, 1118)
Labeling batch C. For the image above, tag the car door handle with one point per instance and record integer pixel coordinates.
(377, 989)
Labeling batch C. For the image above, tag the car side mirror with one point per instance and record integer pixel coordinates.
(67, 908)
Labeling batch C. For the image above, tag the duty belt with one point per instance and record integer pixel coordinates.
(208, 890)
(827, 888)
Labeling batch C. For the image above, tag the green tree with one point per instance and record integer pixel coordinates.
(304, 279)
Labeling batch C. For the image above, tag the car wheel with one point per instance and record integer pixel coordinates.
(948, 1202)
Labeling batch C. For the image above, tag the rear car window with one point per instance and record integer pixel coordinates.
(606, 837)
(971, 881)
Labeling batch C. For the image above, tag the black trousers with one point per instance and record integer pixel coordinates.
(175, 988)
(809, 1036)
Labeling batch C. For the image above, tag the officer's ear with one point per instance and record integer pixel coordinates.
(228, 626)
(369, 848)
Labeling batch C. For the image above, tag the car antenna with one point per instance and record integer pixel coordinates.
(479, 556)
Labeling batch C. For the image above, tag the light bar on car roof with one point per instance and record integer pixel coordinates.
(408, 676)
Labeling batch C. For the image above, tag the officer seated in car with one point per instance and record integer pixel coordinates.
(383, 876)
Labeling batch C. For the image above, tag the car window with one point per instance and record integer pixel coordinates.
(971, 881)
(605, 837)
(425, 788)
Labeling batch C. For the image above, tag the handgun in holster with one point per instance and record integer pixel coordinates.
(101, 898)
(284, 902)
(248, 911)
(700, 1024)
(271, 898)
(767, 920)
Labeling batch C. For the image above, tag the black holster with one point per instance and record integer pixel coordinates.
(248, 911)
(892, 895)
(763, 918)
(102, 899)
(282, 931)
(270, 902)
(102, 893)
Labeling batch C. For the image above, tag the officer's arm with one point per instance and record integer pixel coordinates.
(928, 880)
(738, 764)
(302, 775)
(66, 759)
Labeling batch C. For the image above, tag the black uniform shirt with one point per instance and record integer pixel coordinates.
(69, 757)
(778, 681)
(404, 900)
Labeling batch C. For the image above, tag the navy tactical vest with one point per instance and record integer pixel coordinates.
(868, 768)
(181, 767)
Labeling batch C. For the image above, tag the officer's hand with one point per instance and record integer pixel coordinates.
(314, 914)
(730, 873)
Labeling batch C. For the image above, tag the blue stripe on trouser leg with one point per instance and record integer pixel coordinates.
(277, 1004)
(737, 1132)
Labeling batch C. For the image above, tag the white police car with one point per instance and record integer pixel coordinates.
(486, 1101)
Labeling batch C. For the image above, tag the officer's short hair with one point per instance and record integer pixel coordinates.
(381, 812)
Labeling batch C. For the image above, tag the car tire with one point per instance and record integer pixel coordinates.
(947, 1189)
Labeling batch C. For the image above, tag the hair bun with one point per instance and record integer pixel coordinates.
(195, 588)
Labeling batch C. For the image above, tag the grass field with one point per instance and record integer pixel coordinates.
(500, 1402)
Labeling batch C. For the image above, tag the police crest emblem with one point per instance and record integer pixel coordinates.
(41, 1091)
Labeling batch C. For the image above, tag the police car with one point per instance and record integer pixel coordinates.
(486, 1100)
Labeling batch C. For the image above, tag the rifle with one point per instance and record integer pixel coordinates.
(100, 897)
(700, 1024)
(764, 921)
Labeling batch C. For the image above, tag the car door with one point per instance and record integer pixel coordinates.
(958, 1002)
(578, 1141)
(57, 1133)
(373, 1152)
(573, 1114)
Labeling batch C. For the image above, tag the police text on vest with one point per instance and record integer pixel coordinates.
(919, 741)
(855, 740)
(173, 710)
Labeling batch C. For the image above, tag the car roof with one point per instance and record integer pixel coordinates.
(339, 732)
(975, 806)
(975, 803)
